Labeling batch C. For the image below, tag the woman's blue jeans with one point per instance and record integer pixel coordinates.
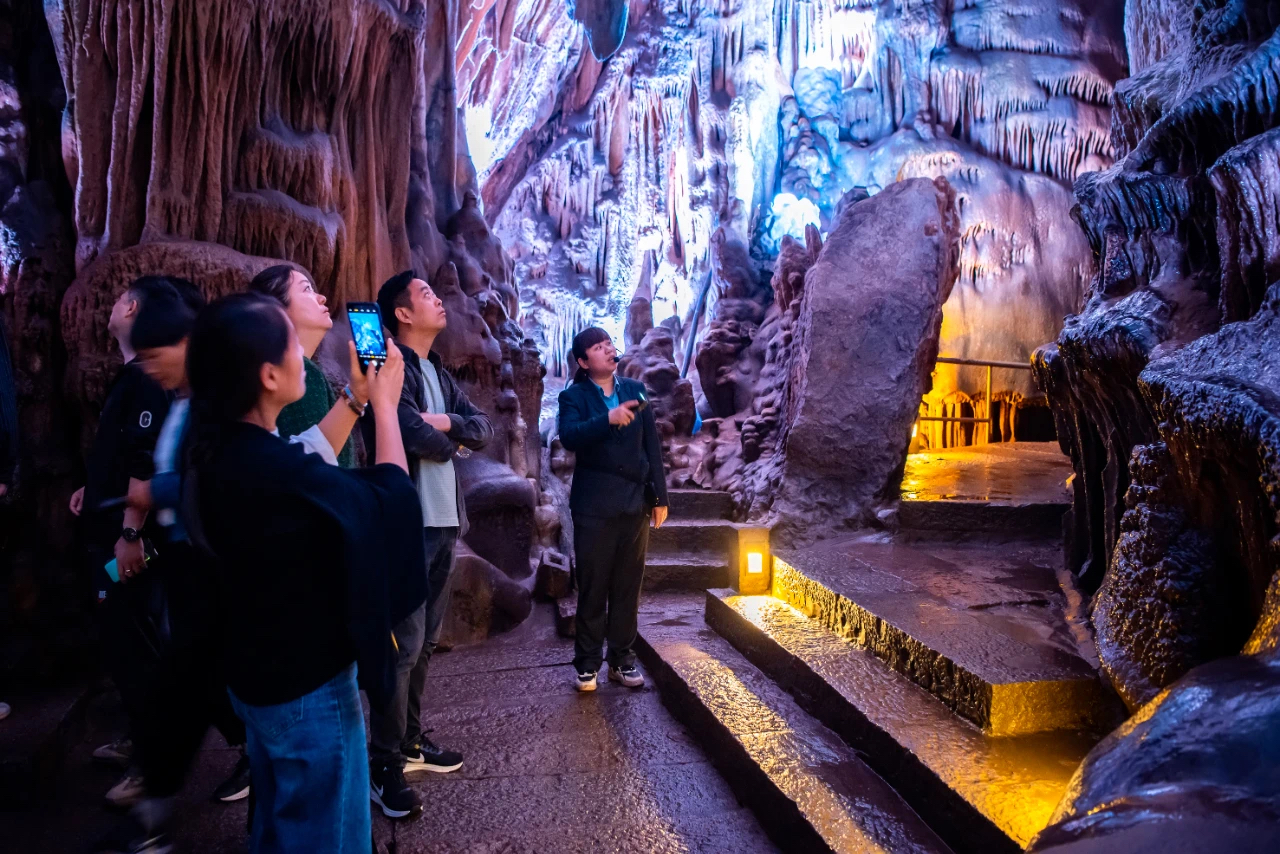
(310, 771)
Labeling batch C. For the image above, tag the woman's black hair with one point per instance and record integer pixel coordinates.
(232, 339)
(274, 282)
(582, 342)
(167, 309)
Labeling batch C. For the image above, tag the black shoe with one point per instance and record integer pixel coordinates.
(427, 756)
(130, 838)
(389, 791)
(236, 787)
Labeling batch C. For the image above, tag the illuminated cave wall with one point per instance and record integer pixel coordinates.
(756, 116)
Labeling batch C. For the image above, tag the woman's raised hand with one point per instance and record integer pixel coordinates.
(359, 379)
(386, 382)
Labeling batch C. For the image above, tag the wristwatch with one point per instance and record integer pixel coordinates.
(350, 397)
(130, 535)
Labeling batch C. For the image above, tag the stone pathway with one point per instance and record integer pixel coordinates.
(546, 770)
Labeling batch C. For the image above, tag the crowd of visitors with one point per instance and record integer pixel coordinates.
(258, 560)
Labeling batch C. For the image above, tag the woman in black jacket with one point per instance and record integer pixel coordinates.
(306, 554)
(619, 486)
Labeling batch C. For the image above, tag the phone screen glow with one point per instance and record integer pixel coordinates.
(367, 332)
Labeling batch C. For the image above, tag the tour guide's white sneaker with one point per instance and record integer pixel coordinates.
(585, 681)
(629, 675)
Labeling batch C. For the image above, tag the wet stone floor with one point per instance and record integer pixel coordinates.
(546, 770)
(1003, 472)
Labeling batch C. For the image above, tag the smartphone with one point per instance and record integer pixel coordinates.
(366, 331)
(113, 567)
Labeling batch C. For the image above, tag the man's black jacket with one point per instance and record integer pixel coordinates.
(471, 427)
(613, 463)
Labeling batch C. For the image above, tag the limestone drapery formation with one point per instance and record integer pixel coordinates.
(1166, 393)
(757, 117)
(208, 139)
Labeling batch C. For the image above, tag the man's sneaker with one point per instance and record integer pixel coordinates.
(128, 791)
(118, 752)
(628, 675)
(389, 791)
(235, 787)
(586, 681)
(430, 757)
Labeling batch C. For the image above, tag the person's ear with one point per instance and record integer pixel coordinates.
(404, 315)
(269, 376)
(582, 363)
(132, 309)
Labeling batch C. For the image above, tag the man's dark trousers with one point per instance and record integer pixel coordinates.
(399, 727)
(610, 570)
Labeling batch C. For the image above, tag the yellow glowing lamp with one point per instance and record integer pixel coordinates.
(754, 561)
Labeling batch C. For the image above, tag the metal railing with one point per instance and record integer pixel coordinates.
(989, 364)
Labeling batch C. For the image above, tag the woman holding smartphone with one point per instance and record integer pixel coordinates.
(323, 419)
(308, 555)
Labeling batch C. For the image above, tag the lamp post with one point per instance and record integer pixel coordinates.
(755, 561)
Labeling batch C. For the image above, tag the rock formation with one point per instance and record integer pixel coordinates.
(864, 346)
(1166, 394)
(1196, 769)
(207, 139)
(36, 244)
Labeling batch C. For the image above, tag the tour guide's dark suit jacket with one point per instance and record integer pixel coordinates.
(613, 464)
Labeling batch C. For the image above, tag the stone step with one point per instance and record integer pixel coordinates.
(686, 572)
(810, 790)
(982, 628)
(981, 793)
(948, 517)
(1014, 488)
(700, 504)
(695, 536)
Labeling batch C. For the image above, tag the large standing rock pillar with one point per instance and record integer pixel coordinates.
(866, 343)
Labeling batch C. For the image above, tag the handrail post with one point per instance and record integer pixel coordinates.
(991, 410)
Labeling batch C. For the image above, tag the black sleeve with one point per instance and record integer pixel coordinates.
(144, 415)
(577, 431)
(653, 450)
(420, 438)
(470, 426)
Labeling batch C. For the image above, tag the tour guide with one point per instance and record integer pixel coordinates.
(618, 485)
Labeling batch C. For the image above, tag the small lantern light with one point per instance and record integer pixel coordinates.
(754, 561)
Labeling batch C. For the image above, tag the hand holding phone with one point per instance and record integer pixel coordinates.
(366, 332)
(386, 381)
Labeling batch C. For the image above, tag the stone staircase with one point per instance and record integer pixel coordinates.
(697, 547)
(921, 692)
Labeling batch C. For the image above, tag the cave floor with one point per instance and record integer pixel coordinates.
(1003, 472)
(546, 769)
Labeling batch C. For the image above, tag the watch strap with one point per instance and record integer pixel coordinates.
(350, 397)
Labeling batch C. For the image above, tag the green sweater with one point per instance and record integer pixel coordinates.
(306, 413)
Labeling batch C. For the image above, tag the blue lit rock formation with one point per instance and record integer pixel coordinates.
(757, 117)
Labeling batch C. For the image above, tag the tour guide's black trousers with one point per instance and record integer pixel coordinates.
(610, 569)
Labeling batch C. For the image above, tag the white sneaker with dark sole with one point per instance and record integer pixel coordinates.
(629, 677)
(585, 681)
